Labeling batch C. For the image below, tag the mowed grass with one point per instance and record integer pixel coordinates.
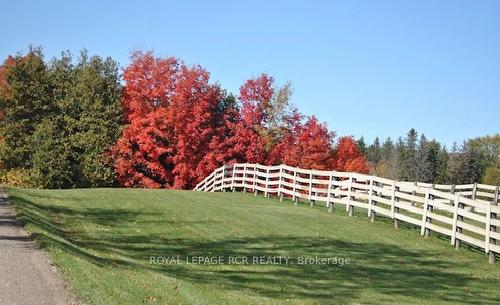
(101, 241)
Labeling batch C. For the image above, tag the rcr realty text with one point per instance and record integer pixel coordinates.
(249, 260)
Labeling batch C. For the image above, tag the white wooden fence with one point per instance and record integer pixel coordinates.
(465, 213)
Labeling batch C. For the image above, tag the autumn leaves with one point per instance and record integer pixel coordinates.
(180, 127)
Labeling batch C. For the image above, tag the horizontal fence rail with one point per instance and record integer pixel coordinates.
(465, 213)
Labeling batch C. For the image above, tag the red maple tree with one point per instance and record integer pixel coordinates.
(349, 158)
(255, 96)
(173, 114)
(308, 145)
(246, 141)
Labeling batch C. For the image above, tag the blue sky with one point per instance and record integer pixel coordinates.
(365, 67)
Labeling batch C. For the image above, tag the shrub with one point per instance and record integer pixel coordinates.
(16, 177)
(492, 175)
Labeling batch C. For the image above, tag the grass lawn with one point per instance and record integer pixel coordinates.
(101, 241)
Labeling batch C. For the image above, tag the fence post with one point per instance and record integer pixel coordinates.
(487, 230)
(393, 196)
(492, 228)
(473, 196)
(329, 204)
(255, 192)
(214, 181)
(396, 208)
(456, 229)
(349, 207)
(414, 193)
(295, 198)
(452, 191)
(371, 213)
(474, 191)
(244, 177)
(348, 194)
(266, 194)
(280, 185)
(223, 177)
(232, 178)
(430, 208)
(426, 232)
(311, 201)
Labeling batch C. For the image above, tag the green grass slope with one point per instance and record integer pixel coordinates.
(101, 240)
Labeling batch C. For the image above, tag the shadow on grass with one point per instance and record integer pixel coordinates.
(386, 269)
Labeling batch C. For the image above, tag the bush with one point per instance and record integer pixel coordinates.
(16, 177)
(492, 176)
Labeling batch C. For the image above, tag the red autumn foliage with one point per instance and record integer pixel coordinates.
(150, 84)
(174, 114)
(4, 87)
(181, 127)
(245, 143)
(309, 145)
(8, 62)
(144, 154)
(348, 158)
(255, 96)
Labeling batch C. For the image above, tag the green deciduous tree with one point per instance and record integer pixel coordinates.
(492, 175)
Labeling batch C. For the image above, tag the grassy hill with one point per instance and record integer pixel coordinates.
(102, 241)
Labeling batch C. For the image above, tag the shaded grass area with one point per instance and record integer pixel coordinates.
(102, 241)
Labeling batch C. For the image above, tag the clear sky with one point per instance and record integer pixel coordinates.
(365, 67)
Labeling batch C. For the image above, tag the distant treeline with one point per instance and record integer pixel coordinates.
(160, 123)
(415, 158)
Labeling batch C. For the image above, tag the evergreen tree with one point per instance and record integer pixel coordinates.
(452, 166)
(362, 145)
(53, 160)
(387, 149)
(374, 151)
(438, 157)
(28, 102)
(401, 160)
(96, 118)
(410, 165)
(469, 165)
(424, 159)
